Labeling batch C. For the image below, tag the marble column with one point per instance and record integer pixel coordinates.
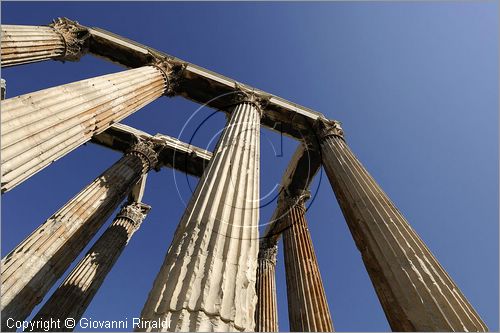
(266, 312)
(308, 309)
(415, 291)
(3, 85)
(207, 281)
(62, 40)
(31, 268)
(74, 295)
(41, 127)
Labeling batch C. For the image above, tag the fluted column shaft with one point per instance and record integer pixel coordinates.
(62, 40)
(207, 281)
(416, 293)
(308, 309)
(3, 88)
(31, 269)
(266, 312)
(74, 295)
(41, 127)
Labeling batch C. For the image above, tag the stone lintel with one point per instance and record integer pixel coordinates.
(299, 174)
(137, 192)
(201, 85)
(172, 152)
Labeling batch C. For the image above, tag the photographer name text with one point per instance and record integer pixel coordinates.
(52, 324)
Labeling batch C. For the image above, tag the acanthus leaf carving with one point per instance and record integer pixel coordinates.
(135, 212)
(326, 128)
(145, 150)
(268, 251)
(75, 38)
(173, 72)
(243, 94)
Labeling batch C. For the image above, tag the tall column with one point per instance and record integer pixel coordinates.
(266, 312)
(308, 309)
(207, 281)
(3, 85)
(41, 127)
(74, 295)
(31, 269)
(62, 40)
(415, 291)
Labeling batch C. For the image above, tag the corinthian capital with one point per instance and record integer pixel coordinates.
(245, 95)
(326, 128)
(135, 212)
(75, 38)
(293, 198)
(172, 70)
(268, 250)
(145, 150)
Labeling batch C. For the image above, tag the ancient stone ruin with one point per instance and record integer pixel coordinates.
(209, 281)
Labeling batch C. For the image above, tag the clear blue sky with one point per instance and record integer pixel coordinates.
(415, 85)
